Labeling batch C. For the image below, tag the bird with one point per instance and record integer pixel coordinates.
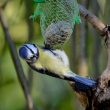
(57, 20)
(53, 62)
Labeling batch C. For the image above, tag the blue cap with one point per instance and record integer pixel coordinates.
(23, 52)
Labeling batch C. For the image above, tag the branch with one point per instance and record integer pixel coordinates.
(91, 18)
(103, 89)
(101, 96)
(21, 77)
(88, 98)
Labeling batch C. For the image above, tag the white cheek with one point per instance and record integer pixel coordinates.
(33, 48)
(29, 54)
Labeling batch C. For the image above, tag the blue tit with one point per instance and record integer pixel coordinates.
(54, 63)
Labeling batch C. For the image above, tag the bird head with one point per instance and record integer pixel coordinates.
(29, 52)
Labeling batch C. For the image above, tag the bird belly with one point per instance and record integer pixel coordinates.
(54, 65)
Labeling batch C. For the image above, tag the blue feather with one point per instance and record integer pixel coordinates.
(83, 83)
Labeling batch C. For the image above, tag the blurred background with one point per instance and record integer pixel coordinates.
(86, 51)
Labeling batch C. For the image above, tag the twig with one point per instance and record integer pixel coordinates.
(21, 77)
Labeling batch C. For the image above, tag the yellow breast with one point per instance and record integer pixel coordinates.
(51, 62)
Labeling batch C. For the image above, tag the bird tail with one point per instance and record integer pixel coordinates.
(81, 83)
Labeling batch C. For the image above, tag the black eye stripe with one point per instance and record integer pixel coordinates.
(34, 45)
(29, 49)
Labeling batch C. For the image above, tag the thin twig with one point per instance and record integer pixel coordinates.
(21, 77)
